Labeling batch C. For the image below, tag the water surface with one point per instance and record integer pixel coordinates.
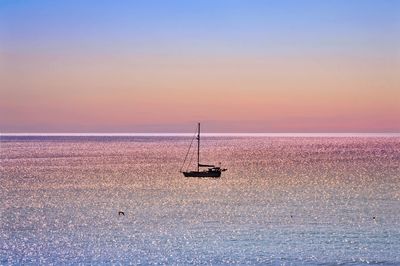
(284, 200)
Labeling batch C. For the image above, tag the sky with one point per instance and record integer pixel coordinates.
(236, 66)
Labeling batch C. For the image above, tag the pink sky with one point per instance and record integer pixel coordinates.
(240, 95)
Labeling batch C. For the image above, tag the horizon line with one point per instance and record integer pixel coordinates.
(211, 134)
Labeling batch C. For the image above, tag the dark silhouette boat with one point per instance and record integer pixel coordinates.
(211, 171)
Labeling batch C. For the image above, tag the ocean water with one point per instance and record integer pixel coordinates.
(283, 201)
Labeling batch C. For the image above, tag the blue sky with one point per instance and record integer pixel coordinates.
(235, 26)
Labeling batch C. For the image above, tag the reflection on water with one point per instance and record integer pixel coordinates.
(289, 200)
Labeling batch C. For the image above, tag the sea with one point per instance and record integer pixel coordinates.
(284, 200)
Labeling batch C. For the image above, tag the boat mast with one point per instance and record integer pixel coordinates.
(198, 147)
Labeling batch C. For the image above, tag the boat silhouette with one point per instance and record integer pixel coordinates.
(211, 171)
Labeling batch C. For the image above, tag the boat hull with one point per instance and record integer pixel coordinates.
(213, 174)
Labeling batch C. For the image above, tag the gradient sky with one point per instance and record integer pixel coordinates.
(237, 66)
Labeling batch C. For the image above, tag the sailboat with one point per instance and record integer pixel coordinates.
(211, 171)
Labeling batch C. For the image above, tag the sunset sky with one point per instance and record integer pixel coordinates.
(236, 66)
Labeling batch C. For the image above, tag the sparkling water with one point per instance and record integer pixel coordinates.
(283, 201)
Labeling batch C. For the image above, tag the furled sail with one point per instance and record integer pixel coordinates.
(206, 165)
